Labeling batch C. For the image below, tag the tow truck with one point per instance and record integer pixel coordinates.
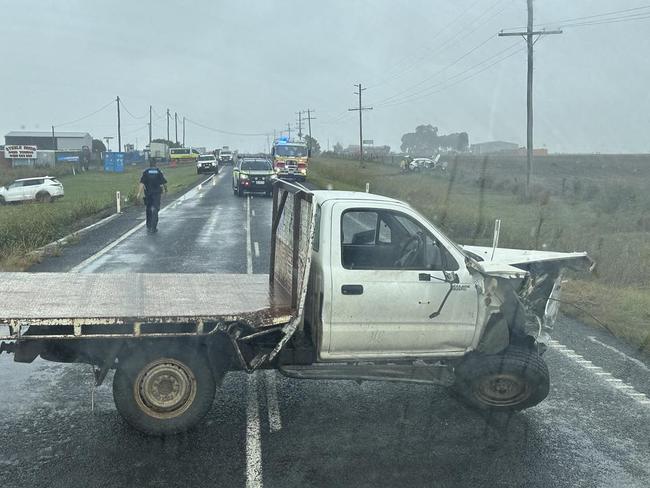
(361, 287)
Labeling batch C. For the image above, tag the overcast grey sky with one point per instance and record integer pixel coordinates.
(247, 66)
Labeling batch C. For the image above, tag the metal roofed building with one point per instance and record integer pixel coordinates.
(62, 141)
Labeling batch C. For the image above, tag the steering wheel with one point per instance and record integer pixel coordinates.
(410, 250)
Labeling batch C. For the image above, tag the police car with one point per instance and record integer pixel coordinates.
(207, 163)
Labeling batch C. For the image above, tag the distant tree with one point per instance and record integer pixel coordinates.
(463, 142)
(169, 143)
(338, 148)
(98, 146)
(426, 141)
(313, 143)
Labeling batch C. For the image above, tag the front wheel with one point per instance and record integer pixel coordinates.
(163, 392)
(2, 201)
(513, 380)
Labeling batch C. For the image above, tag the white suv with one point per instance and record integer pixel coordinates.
(42, 189)
(207, 163)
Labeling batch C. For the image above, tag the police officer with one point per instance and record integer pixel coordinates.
(152, 183)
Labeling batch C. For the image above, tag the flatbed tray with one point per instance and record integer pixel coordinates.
(115, 298)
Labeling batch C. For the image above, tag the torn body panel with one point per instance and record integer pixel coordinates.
(527, 286)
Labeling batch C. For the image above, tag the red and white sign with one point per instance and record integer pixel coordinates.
(20, 152)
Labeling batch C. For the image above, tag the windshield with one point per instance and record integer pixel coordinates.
(256, 165)
(287, 150)
(424, 263)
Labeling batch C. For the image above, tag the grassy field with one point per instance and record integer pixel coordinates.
(616, 235)
(88, 196)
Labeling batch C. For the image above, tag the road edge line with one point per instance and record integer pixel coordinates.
(90, 259)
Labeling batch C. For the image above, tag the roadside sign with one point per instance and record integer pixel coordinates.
(114, 162)
(20, 151)
(368, 142)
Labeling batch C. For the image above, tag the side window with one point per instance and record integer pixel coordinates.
(16, 184)
(33, 183)
(377, 239)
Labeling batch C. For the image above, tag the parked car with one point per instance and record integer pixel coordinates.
(253, 175)
(41, 189)
(207, 163)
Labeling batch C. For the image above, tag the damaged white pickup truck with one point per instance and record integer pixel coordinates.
(360, 287)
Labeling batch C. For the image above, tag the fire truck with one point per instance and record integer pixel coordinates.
(290, 159)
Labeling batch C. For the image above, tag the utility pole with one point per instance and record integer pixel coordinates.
(309, 119)
(183, 131)
(289, 130)
(53, 140)
(360, 109)
(176, 127)
(299, 125)
(150, 125)
(168, 124)
(528, 37)
(119, 128)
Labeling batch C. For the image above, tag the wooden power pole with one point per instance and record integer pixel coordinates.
(360, 109)
(528, 35)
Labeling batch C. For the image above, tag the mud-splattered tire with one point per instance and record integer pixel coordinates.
(163, 391)
(513, 380)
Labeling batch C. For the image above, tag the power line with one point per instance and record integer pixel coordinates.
(86, 116)
(426, 92)
(129, 112)
(429, 78)
(220, 131)
(587, 17)
(401, 71)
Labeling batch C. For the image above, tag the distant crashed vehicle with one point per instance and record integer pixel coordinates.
(41, 189)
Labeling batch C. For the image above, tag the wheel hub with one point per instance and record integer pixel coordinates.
(165, 388)
(502, 390)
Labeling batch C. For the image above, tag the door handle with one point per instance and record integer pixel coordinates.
(352, 289)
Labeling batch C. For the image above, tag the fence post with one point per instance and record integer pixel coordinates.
(367, 187)
(118, 202)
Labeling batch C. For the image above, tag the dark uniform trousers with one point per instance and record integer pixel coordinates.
(152, 203)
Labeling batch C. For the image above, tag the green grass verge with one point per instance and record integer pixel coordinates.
(619, 241)
(88, 196)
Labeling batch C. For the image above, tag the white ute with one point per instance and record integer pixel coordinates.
(361, 287)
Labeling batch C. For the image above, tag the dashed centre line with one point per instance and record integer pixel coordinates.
(617, 383)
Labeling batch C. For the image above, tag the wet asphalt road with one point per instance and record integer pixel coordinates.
(267, 430)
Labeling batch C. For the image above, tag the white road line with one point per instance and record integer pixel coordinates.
(272, 404)
(249, 254)
(256, 245)
(86, 262)
(616, 383)
(620, 353)
(253, 437)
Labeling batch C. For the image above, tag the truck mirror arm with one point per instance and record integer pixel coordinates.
(444, 300)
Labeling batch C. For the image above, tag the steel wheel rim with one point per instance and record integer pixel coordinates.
(165, 388)
(502, 390)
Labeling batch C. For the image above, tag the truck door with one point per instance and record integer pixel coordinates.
(387, 278)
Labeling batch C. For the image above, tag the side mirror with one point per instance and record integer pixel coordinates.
(451, 277)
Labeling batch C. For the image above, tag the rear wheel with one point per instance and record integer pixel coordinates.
(515, 379)
(44, 197)
(163, 392)
(240, 191)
